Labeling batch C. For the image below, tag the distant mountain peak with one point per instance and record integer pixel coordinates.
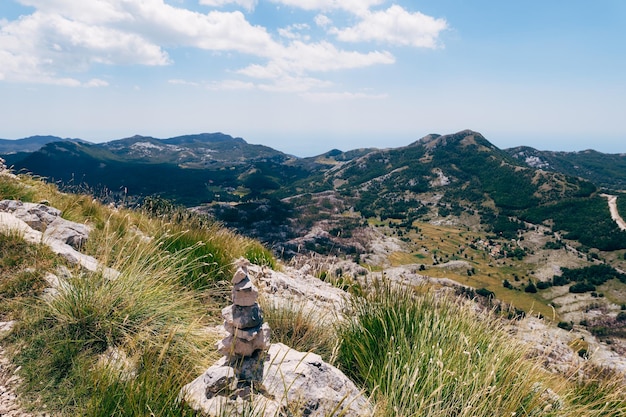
(464, 138)
(216, 137)
(31, 143)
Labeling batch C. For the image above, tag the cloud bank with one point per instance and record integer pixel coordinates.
(71, 43)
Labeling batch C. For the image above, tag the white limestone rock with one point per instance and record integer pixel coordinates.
(281, 381)
(37, 216)
(71, 233)
(9, 223)
(48, 220)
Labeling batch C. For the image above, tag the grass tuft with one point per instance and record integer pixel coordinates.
(429, 355)
(144, 313)
(301, 328)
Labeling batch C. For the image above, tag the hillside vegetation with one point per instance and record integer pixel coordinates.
(606, 170)
(125, 346)
(452, 206)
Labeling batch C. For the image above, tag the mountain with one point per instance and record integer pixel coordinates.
(605, 170)
(458, 171)
(193, 151)
(190, 170)
(117, 324)
(454, 205)
(30, 144)
(460, 177)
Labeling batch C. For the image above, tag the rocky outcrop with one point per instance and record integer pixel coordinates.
(557, 347)
(280, 382)
(38, 223)
(48, 220)
(295, 287)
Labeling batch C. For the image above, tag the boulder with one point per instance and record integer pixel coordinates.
(47, 220)
(281, 382)
(37, 216)
(72, 233)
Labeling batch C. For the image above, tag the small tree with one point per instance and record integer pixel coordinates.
(530, 288)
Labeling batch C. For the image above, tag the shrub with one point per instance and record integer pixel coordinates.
(542, 285)
(581, 287)
(530, 288)
(485, 293)
(565, 325)
(559, 280)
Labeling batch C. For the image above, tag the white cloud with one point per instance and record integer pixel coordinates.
(231, 85)
(216, 31)
(293, 31)
(64, 38)
(299, 58)
(343, 96)
(322, 20)
(37, 47)
(86, 11)
(68, 36)
(95, 82)
(247, 4)
(353, 6)
(395, 26)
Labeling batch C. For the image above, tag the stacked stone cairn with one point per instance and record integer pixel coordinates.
(273, 380)
(248, 335)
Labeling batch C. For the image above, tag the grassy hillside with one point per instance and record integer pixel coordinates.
(124, 347)
(605, 170)
(120, 178)
(585, 220)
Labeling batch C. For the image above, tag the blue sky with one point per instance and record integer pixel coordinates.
(306, 76)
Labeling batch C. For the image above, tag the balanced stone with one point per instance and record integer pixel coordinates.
(243, 317)
(246, 334)
(237, 346)
(239, 276)
(243, 320)
(245, 293)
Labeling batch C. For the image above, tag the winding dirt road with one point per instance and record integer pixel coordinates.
(614, 213)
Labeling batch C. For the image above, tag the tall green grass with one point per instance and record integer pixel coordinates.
(22, 274)
(144, 313)
(301, 328)
(430, 355)
(13, 189)
(174, 275)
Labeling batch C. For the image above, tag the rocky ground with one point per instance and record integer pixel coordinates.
(10, 405)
